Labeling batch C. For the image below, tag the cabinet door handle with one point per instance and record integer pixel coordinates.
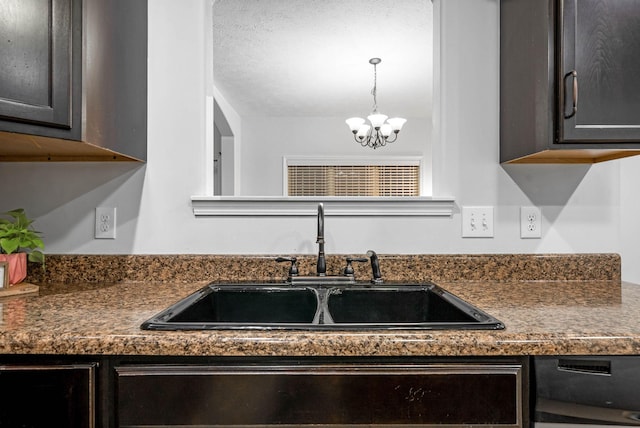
(574, 108)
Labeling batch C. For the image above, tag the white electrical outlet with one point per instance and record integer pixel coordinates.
(530, 222)
(105, 223)
(477, 222)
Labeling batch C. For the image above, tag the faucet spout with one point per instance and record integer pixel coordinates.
(321, 268)
(375, 267)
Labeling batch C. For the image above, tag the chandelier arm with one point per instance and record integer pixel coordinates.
(370, 134)
(383, 141)
(395, 137)
(366, 140)
(377, 140)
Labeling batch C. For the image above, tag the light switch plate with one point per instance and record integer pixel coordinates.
(477, 222)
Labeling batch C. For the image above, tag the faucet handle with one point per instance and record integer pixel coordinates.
(293, 269)
(348, 270)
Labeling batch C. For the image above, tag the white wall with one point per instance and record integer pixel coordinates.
(629, 225)
(266, 139)
(585, 209)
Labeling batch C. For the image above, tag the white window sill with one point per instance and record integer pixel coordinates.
(423, 206)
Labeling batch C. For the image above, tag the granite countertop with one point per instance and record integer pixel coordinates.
(541, 317)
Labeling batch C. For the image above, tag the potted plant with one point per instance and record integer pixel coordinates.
(19, 242)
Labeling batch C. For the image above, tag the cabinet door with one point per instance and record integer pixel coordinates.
(320, 395)
(599, 72)
(35, 61)
(43, 396)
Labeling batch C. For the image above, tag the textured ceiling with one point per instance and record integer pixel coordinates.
(311, 57)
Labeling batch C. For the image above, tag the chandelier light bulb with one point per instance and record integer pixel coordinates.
(386, 130)
(396, 123)
(379, 132)
(363, 132)
(354, 123)
(377, 119)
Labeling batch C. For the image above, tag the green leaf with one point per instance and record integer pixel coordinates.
(9, 245)
(36, 256)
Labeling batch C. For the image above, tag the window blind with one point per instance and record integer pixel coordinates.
(353, 180)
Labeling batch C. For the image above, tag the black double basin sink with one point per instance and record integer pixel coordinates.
(322, 307)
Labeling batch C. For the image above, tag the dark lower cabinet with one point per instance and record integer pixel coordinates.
(321, 395)
(153, 391)
(44, 396)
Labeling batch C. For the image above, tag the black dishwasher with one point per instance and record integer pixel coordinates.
(590, 390)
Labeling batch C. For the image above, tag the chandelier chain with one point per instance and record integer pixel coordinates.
(374, 90)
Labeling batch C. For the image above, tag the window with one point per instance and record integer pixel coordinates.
(353, 180)
(352, 177)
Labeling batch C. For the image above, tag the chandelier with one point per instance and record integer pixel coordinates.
(381, 130)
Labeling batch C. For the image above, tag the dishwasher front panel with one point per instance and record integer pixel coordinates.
(587, 390)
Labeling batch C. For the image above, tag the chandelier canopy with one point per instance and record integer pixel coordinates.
(380, 130)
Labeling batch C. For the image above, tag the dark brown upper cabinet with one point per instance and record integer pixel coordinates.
(569, 80)
(73, 80)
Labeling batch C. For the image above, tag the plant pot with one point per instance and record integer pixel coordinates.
(17, 266)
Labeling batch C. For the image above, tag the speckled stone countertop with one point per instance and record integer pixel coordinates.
(585, 316)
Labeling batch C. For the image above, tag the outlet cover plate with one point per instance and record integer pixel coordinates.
(105, 223)
(530, 223)
(477, 222)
